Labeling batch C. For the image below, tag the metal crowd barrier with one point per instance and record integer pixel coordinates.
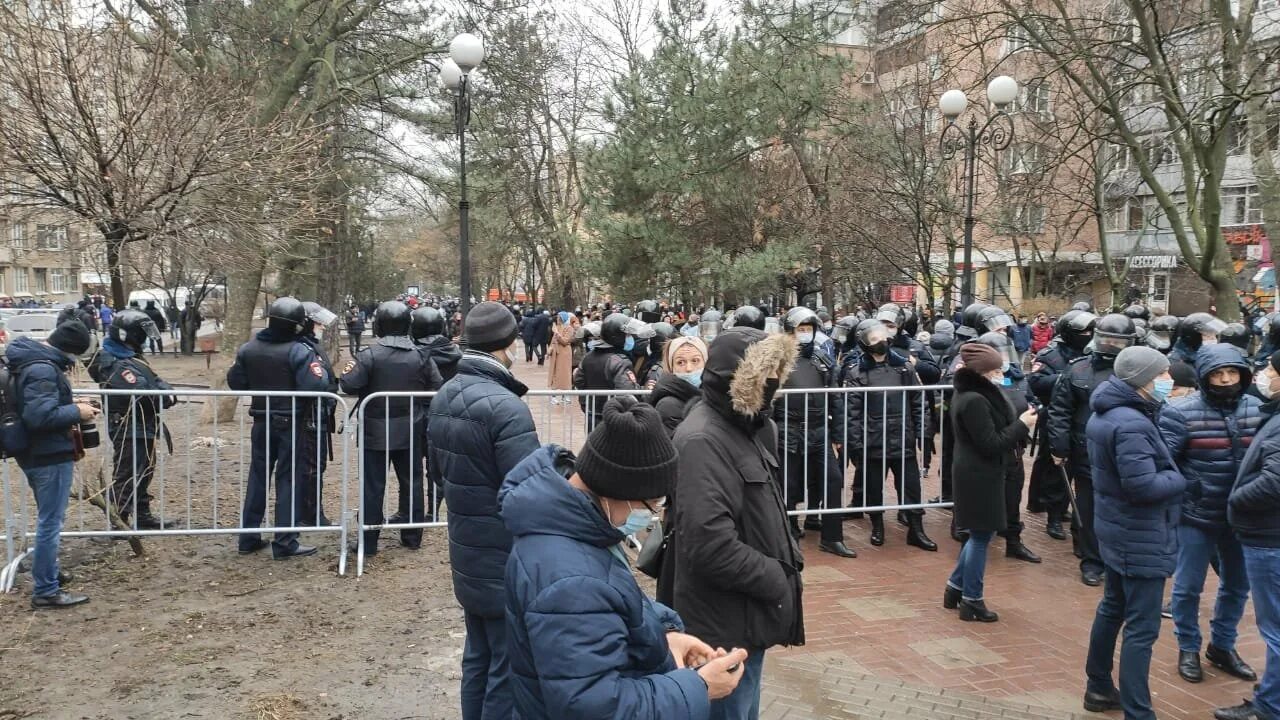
(190, 498)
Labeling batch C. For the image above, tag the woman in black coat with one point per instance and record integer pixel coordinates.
(987, 435)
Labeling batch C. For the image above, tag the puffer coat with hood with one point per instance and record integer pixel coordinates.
(1137, 489)
(583, 640)
(737, 577)
(1208, 434)
(672, 397)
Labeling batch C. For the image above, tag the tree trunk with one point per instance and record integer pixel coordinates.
(114, 236)
(242, 300)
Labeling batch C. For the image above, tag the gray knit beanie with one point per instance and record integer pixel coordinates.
(1137, 366)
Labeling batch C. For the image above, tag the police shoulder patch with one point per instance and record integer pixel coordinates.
(316, 369)
(129, 377)
(351, 365)
(632, 377)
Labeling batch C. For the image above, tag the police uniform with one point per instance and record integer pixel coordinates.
(311, 493)
(283, 429)
(134, 424)
(604, 368)
(394, 428)
(1047, 493)
(1069, 414)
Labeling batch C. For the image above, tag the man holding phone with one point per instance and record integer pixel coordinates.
(50, 419)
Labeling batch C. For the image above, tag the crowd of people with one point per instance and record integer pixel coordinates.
(1155, 438)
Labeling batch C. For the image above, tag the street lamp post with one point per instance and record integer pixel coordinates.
(466, 52)
(995, 134)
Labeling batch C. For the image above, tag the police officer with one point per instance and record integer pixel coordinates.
(1237, 334)
(311, 493)
(1163, 331)
(1194, 331)
(648, 311)
(1137, 311)
(709, 326)
(393, 427)
(809, 428)
(427, 328)
(134, 421)
(749, 316)
(1072, 335)
(609, 363)
(922, 359)
(283, 428)
(1015, 389)
(1069, 413)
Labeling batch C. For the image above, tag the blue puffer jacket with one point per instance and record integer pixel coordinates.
(583, 640)
(44, 399)
(479, 430)
(1137, 489)
(1208, 440)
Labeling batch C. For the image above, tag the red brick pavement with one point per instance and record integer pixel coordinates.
(882, 611)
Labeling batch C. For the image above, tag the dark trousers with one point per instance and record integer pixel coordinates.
(135, 465)
(819, 473)
(1014, 479)
(1134, 605)
(872, 473)
(275, 441)
(486, 690)
(1048, 491)
(542, 350)
(353, 343)
(157, 346)
(409, 474)
(948, 449)
(311, 480)
(529, 345)
(1086, 542)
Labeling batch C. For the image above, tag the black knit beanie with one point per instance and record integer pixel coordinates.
(628, 455)
(70, 337)
(488, 326)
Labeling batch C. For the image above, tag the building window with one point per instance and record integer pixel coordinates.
(1024, 158)
(1119, 157)
(1016, 39)
(3, 284)
(1241, 206)
(998, 283)
(1124, 215)
(1028, 219)
(42, 280)
(1034, 98)
(18, 236)
(21, 281)
(1158, 151)
(1158, 289)
(57, 280)
(51, 237)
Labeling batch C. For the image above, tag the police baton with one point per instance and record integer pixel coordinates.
(1071, 494)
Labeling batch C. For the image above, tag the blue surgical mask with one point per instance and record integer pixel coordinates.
(638, 520)
(630, 344)
(693, 378)
(1162, 389)
(1006, 381)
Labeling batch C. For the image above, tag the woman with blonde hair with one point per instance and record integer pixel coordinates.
(682, 363)
(560, 367)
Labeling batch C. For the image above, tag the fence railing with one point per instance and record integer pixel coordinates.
(197, 462)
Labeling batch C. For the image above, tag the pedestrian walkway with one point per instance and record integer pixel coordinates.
(880, 645)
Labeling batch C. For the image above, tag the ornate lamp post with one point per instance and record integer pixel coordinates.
(466, 52)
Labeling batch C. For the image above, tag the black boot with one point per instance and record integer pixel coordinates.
(902, 519)
(951, 598)
(1016, 550)
(1053, 528)
(1189, 666)
(1244, 711)
(916, 536)
(837, 548)
(877, 529)
(976, 610)
(1230, 662)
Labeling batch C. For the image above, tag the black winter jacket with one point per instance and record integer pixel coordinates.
(479, 430)
(809, 420)
(885, 424)
(672, 397)
(1253, 507)
(737, 580)
(988, 434)
(1069, 411)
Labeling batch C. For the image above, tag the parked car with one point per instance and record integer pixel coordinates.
(36, 326)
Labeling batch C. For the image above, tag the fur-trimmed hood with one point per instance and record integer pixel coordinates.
(739, 364)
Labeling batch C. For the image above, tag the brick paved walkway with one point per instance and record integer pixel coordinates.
(881, 646)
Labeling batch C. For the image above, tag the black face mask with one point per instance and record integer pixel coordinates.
(880, 348)
(1222, 394)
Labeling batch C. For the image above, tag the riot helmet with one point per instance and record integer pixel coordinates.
(1112, 333)
(1002, 344)
(824, 318)
(391, 319)
(1236, 334)
(710, 324)
(648, 311)
(133, 328)
(286, 315)
(662, 333)
(993, 319)
(1161, 333)
(748, 316)
(1199, 329)
(843, 331)
(1138, 312)
(317, 314)
(617, 328)
(873, 337)
(798, 316)
(1075, 327)
(890, 315)
(425, 322)
(1083, 306)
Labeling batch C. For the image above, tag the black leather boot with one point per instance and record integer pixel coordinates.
(1015, 549)
(877, 529)
(951, 598)
(1189, 666)
(1053, 528)
(976, 611)
(916, 536)
(1230, 662)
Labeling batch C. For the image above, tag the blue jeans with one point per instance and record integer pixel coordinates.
(486, 689)
(51, 485)
(744, 702)
(1133, 603)
(1195, 548)
(1263, 565)
(971, 566)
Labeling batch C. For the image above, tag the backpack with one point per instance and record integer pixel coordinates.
(13, 433)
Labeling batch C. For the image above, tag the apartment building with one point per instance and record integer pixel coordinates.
(39, 257)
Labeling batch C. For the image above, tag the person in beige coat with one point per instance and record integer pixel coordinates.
(560, 367)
